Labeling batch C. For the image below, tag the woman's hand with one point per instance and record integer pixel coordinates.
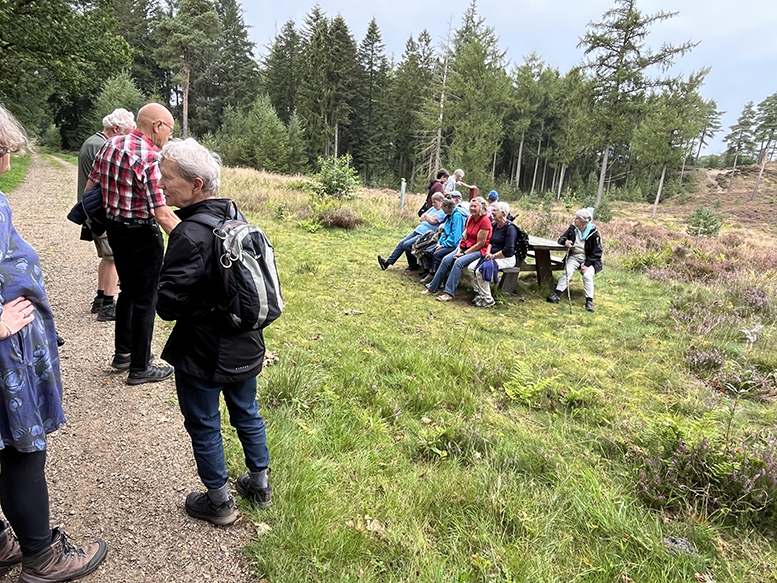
(568, 244)
(16, 315)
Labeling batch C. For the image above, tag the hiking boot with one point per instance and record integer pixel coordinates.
(428, 279)
(152, 374)
(62, 561)
(589, 304)
(107, 313)
(554, 298)
(97, 303)
(10, 553)
(259, 497)
(415, 267)
(120, 362)
(384, 265)
(199, 505)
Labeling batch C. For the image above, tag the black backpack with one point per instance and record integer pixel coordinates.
(521, 244)
(246, 261)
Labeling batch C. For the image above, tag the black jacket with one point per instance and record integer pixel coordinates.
(593, 246)
(202, 343)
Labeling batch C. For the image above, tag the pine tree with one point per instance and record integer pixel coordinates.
(187, 40)
(479, 90)
(118, 91)
(616, 54)
(268, 138)
(370, 123)
(298, 159)
(741, 138)
(711, 127)
(136, 20)
(766, 132)
(283, 69)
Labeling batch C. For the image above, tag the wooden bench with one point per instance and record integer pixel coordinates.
(544, 264)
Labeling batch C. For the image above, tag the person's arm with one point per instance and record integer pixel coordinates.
(568, 237)
(89, 185)
(596, 251)
(181, 280)
(508, 249)
(482, 237)
(157, 205)
(166, 218)
(464, 184)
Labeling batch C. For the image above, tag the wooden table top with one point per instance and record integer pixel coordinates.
(547, 244)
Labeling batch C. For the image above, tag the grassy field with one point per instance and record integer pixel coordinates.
(414, 440)
(15, 176)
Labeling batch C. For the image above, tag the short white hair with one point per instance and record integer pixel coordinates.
(502, 206)
(459, 172)
(195, 161)
(120, 117)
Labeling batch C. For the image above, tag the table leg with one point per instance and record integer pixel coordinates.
(544, 272)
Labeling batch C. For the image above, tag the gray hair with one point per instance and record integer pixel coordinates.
(120, 117)
(12, 135)
(482, 202)
(586, 214)
(502, 206)
(195, 161)
(448, 204)
(459, 172)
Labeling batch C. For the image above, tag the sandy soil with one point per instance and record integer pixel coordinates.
(121, 467)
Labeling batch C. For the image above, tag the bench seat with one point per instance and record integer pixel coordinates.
(510, 275)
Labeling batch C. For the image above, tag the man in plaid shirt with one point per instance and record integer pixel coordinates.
(127, 170)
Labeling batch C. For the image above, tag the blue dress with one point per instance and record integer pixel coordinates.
(30, 382)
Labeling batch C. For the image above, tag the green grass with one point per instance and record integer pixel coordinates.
(404, 447)
(15, 176)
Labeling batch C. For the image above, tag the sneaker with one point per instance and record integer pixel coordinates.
(259, 497)
(415, 267)
(554, 298)
(107, 313)
(423, 273)
(428, 279)
(10, 552)
(199, 505)
(487, 303)
(153, 374)
(97, 303)
(120, 362)
(384, 265)
(62, 561)
(589, 304)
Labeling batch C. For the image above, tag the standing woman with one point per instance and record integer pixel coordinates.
(31, 405)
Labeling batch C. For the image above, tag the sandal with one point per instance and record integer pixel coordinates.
(444, 298)
(427, 292)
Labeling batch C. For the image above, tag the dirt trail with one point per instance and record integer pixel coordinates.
(121, 467)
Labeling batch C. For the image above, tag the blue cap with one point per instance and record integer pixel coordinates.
(493, 195)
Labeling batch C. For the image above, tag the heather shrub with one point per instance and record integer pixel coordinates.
(343, 217)
(705, 362)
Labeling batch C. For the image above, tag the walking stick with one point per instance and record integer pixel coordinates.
(569, 279)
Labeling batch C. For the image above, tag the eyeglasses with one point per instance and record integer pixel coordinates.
(3, 152)
(172, 131)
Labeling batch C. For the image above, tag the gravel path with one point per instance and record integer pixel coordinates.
(121, 467)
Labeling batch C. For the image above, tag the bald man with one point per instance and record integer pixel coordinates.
(127, 170)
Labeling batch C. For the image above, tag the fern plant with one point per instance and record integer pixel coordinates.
(525, 388)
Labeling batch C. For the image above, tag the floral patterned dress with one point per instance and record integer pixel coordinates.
(30, 383)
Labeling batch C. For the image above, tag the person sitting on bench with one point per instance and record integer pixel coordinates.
(500, 255)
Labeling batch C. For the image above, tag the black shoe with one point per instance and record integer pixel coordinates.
(554, 298)
(198, 505)
(589, 304)
(107, 313)
(423, 273)
(259, 497)
(413, 268)
(153, 374)
(60, 340)
(97, 303)
(384, 265)
(123, 362)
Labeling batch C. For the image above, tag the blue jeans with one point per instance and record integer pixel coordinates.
(199, 401)
(454, 266)
(438, 255)
(404, 246)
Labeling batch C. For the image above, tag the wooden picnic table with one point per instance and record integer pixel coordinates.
(544, 264)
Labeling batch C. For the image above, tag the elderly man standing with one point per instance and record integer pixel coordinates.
(127, 169)
(118, 123)
(210, 356)
(454, 181)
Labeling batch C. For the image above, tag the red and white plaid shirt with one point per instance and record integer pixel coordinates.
(127, 170)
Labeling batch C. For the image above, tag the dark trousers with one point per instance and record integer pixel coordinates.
(138, 251)
(24, 497)
(199, 401)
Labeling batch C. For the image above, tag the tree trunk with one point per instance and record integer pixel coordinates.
(733, 170)
(536, 166)
(701, 144)
(518, 165)
(186, 72)
(602, 174)
(658, 194)
(682, 170)
(544, 173)
(561, 181)
(553, 180)
(337, 127)
(493, 168)
(761, 172)
(438, 144)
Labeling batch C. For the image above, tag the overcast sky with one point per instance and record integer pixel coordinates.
(738, 39)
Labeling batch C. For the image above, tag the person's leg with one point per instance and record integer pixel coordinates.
(412, 260)
(571, 266)
(442, 272)
(438, 256)
(400, 248)
(121, 245)
(245, 418)
(588, 282)
(458, 266)
(24, 497)
(481, 287)
(107, 278)
(199, 402)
